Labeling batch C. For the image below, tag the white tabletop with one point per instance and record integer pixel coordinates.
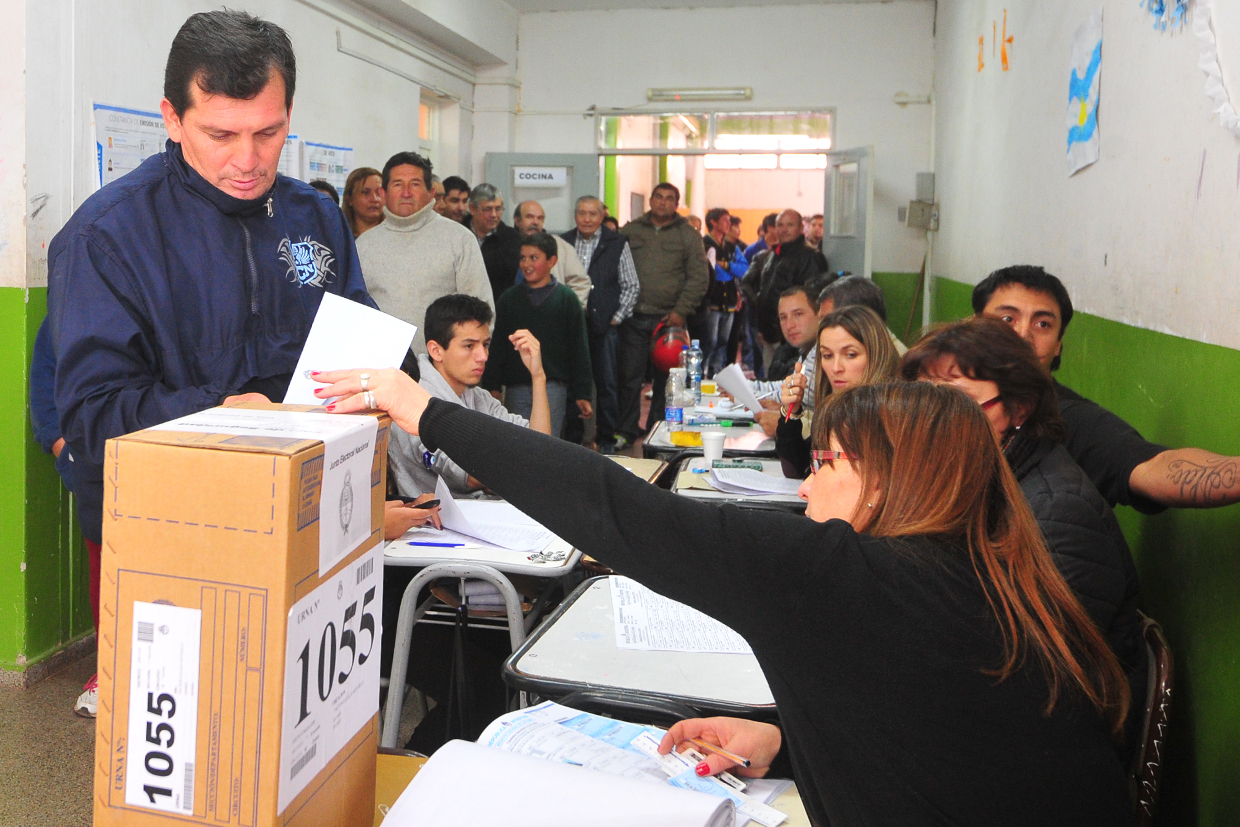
(769, 466)
(400, 553)
(576, 647)
(749, 439)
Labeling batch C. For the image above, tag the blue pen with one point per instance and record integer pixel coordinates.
(440, 545)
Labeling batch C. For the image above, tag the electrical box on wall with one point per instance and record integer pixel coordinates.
(922, 215)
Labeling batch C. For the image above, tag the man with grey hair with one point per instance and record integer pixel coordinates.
(609, 263)
(500, 244)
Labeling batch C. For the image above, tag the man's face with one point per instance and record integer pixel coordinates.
(734, 231)
(465, 358)
(815, 231)
(234, 144)
(797, 320)
(406, 190)
(535, 266)
(486, 215)
(663, 204)
(530, 218)
(787, 226)
(437, 191)
(722, 226)
(589, 217)
(456, 204)
(1034, 314)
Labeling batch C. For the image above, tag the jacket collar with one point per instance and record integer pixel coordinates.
(1024, 452)
(646, 219)
(796, 244)
(409, 223)
(222, 201)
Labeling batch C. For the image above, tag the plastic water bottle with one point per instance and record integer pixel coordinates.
(674, 413)
(693, 366)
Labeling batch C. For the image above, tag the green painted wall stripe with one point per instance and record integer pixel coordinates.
(1176, 392)
(899, 291)
(43, 577)
(611, 181)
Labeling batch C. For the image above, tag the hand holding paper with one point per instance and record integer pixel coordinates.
(734, 382)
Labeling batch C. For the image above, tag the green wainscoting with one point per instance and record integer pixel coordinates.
(902, 294)
(44, 602)
(1177, 392)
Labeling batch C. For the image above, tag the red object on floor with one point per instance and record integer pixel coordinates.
(94, 551)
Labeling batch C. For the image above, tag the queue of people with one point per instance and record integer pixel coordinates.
(950, 631)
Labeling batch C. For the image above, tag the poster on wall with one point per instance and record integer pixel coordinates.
(290, 158)
(326, 162)
(124, 138)
(1083, 94)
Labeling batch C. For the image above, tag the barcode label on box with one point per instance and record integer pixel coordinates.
(301, 762)
(163, 707)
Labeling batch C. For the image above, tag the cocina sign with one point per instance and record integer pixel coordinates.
(540, 176)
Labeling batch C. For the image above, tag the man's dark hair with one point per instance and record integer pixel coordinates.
(228, 53)
(1032, 277)
(327, 189)
(799, 289)
(611, 223)
(413, 159)
(736, 219)
(542, 241)
(446, 312)
(768, 221)
(455, 183)
(855, 290)
(667, 186)
(714, 215)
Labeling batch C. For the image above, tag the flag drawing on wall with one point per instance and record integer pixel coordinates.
(1083, 94)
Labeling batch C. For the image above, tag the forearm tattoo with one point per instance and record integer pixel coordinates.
(1204, 483)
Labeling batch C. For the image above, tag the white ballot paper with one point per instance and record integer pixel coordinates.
(345, 335)
(749, 481)
(647, 620)
(497, 523)
(734, 382)
(348, 454)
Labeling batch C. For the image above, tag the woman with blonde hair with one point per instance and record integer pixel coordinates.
(852, 348)
(362, 200)
(929, 663)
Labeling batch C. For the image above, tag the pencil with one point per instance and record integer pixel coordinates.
(731, 756)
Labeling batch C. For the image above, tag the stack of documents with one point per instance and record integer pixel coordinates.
(647, 620)
(550, 765)
(497, 523)
(751, 482)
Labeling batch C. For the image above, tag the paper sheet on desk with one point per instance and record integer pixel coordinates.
(647, 620)
(734, 382)
(346, 335)
(751, 482)
(497, 523)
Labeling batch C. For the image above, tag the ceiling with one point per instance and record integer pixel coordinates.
(604, 5)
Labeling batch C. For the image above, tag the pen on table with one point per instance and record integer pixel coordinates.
(443, 545)
(409, 502)
(731, 756)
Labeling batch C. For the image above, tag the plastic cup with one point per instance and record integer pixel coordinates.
(712, 445)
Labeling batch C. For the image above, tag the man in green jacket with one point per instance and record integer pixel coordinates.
(673, 273)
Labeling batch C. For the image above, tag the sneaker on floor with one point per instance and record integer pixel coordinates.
(88, 702)
(621, 443)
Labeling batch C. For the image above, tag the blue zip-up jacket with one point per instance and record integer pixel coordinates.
(167, 295)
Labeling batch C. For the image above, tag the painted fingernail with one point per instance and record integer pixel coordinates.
(315, 372)
(331, 407)
(702, 769)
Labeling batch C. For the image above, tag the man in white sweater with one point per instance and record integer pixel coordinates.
(416, 255)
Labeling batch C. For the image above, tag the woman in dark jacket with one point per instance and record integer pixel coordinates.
(988, 361)
(929, 663)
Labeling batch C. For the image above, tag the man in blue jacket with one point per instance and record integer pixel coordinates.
(193, 280)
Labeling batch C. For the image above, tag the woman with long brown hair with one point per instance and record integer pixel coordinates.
(928, 661)
(852, 347)
(999, 370)
(362, 200)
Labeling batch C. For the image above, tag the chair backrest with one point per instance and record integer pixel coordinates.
(1147, 766)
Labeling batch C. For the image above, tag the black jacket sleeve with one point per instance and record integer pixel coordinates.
(792, 448)
(719, 559)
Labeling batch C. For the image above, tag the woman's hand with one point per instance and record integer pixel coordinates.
(530, 352)
(394, 392)
(399, 517)
(793, 390)
(749, 739)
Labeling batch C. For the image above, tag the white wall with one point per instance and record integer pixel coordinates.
(770, 190)
(1132, 236)
(113, 52)
(854, 57)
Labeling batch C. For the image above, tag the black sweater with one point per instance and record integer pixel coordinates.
(874, 649)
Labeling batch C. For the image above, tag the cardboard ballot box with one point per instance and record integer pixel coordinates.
(240, 608)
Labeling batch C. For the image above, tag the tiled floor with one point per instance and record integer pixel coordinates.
(46, 752)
